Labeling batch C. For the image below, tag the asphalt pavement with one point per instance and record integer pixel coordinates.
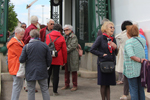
(87, 90)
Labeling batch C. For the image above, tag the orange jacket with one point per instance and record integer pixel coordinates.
(14, 51)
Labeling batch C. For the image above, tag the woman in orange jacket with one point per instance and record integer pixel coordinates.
(14, 47)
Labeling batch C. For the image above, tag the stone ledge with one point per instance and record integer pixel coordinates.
(87, 74)
(6, 77)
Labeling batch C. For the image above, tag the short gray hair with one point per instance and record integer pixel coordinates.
(34, 19)
(34, 33)
(68, 26)
(19, 30)
(49, 20)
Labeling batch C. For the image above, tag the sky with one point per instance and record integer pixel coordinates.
(35, 9)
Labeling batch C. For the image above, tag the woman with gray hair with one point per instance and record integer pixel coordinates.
(14, 47)
(72, 57)
(37, 56)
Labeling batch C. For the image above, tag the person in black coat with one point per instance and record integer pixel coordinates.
(106, 49)
(36, 55)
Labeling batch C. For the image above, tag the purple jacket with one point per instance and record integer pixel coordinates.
(145, 75)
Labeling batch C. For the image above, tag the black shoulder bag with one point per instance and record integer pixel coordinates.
(107, 67)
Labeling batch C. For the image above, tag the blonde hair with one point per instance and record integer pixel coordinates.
(105, 26)
(132, 30)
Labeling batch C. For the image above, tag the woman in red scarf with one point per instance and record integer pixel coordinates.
(106, 49)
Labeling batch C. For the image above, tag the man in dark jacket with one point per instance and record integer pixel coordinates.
(37, 56)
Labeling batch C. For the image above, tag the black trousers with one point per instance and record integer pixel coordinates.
(55, 69)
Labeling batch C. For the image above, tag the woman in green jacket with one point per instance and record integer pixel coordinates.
(72, 57)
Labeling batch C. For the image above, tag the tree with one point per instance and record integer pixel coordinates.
(12, 18)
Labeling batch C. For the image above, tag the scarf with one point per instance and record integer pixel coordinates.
(110, 48)
(67, 36)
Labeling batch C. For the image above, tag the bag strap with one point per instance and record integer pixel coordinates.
(54, 40)
(140, 42)
(26, 48)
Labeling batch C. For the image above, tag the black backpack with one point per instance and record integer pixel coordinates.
(51, 46)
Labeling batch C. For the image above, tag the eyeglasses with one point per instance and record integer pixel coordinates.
(23, 26)
(112, 27)
(66, 30)
(52, 24)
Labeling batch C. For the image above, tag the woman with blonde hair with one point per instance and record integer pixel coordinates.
(106, 49)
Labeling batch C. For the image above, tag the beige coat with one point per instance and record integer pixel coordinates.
(121, 40)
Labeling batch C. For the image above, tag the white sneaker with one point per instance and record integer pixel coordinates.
(123, 97)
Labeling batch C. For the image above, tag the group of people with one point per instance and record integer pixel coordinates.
(130, 51)
(31, 46)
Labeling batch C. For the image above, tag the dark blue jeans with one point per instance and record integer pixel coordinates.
(136, 90)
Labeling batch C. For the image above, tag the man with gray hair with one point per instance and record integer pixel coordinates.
(46, 30)
(38, 59)
(14, 47)
(34, 23)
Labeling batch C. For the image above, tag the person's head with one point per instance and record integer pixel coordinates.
(50, 24)
(19, 33)
(132, 31)
(24, 26)
(108, 28)
(124, 24)
(135, 23)
(68, 29)
(42, 26)
(34, 33)
(104, 20)
(34, 20)
(58, 27)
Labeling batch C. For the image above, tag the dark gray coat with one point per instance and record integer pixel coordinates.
(37, 57)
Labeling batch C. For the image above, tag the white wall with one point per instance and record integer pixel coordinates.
(134, 10)
(67, 12)
(73, 15)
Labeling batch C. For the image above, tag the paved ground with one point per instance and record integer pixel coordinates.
(87, 90)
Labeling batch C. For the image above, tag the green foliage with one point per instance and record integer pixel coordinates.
(12, 18)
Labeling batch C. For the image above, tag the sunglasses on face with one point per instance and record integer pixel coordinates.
(112, 27)
(52, 24)
(66, 30)
(23, 26)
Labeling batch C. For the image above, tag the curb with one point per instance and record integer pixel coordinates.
(87, 74)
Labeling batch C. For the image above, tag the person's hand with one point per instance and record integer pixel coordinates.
(113, 44)
(104, 55)
(143, 60)
(64, 64)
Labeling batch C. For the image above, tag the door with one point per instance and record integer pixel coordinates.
(82, 21)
